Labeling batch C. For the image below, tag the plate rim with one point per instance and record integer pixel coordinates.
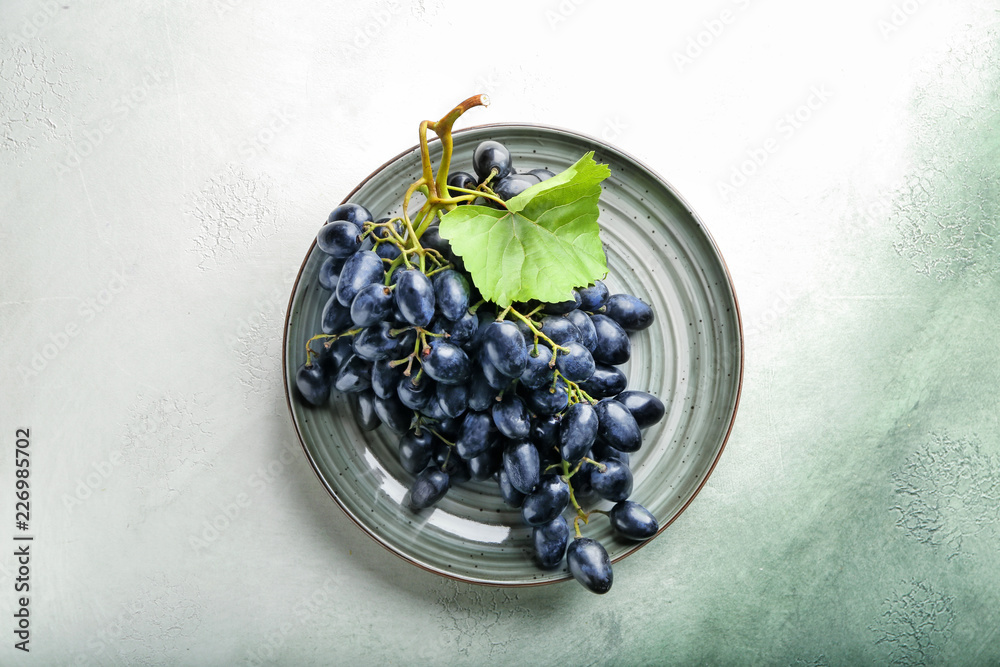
(736, 309)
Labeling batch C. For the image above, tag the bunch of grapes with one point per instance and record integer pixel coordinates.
(527, 395)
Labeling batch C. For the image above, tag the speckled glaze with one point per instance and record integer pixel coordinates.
(692, 358)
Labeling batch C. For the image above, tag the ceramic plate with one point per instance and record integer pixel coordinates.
(692, 358)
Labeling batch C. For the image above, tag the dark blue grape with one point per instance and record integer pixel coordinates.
(453, 398)
(446, 363)
(475, 435)
(632, 313)
(339, 239)
(511, 417)
(493, 377)
(537, 371)
(589, 564)
(393, 413)
(606, 381)
(614, 482)
(490, 156)
(481, 393)
(376, 342)
(363, 406)
(431, 238)
(415, 451)
(578, 431)
(415, 297)
(415, 395)
(521, 463)
(429, 487)
(433, 409)
(645, 408)
(633, 521)
(451, 294)
(485, 320)
(594, 297)
(371, 305)
(354, 376)
(546, 502)
(355, 213)
(563, 307)
(314, 383)
(549, 541)
(545, 431)
(617, 427)
(336, 317)
(485, 465)
(385, 378)
(329, 273)
(613, 346)
(511, 186)
(505, 348)
(541, 174)
(463, 330)
(511, 496)
(548, 400)
(361, 270)
(583, 324)
(559, 329)
(457, 469)
(602, 451)
(577, 365)
(461, 179)
(388, 250)
(581, 480)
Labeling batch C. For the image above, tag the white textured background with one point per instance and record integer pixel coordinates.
(164, 166)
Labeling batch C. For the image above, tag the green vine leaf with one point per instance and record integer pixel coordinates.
(544, 244)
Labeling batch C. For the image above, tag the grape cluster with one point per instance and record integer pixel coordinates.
(528, 395)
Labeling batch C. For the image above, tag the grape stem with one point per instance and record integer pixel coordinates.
(328, 338)
(534, 330)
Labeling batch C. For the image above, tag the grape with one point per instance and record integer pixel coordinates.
(361, 270)
(583, 324)
(485, 465)
(453, 398)
(537, 371)
(363, 405)
(376, 342)
(446, 363)
(336, 317)
(614, 482)
(456, 468)
(548, 400)
(577, 365)
(546, 502)
(489, 156)
(541, 174)
(545, 431)
(433, 409)
(606, 381)
(511, 496)
(645, 408)
(415, 395)
(371, 305)
(355, 213)
(505, 348)
(463, 329)
(329, 273)
(493, 377)
(429, 487)
(560, 330)
(511, 186)
(511, 417)
(589, 564)
(415, 297)
(354, 376)
(339, 239)
(520, 462)
(594, 297)
(630, 312)
(578, 431)
(432, 239)
(481, 393)
(460, 179)
(617, 427)
(563, 307)
(475, 436)
(313, 383)
(602, 451)
(549, 541)
(633, 521)
(416, 450)
(385, 378)
(387, 250)
(393, 413)
(451, 293)
(613, 346)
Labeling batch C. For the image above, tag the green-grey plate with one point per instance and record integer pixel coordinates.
(692, 358)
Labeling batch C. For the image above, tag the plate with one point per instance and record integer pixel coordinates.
(692, 358)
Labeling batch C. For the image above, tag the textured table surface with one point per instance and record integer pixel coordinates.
(164, 166)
